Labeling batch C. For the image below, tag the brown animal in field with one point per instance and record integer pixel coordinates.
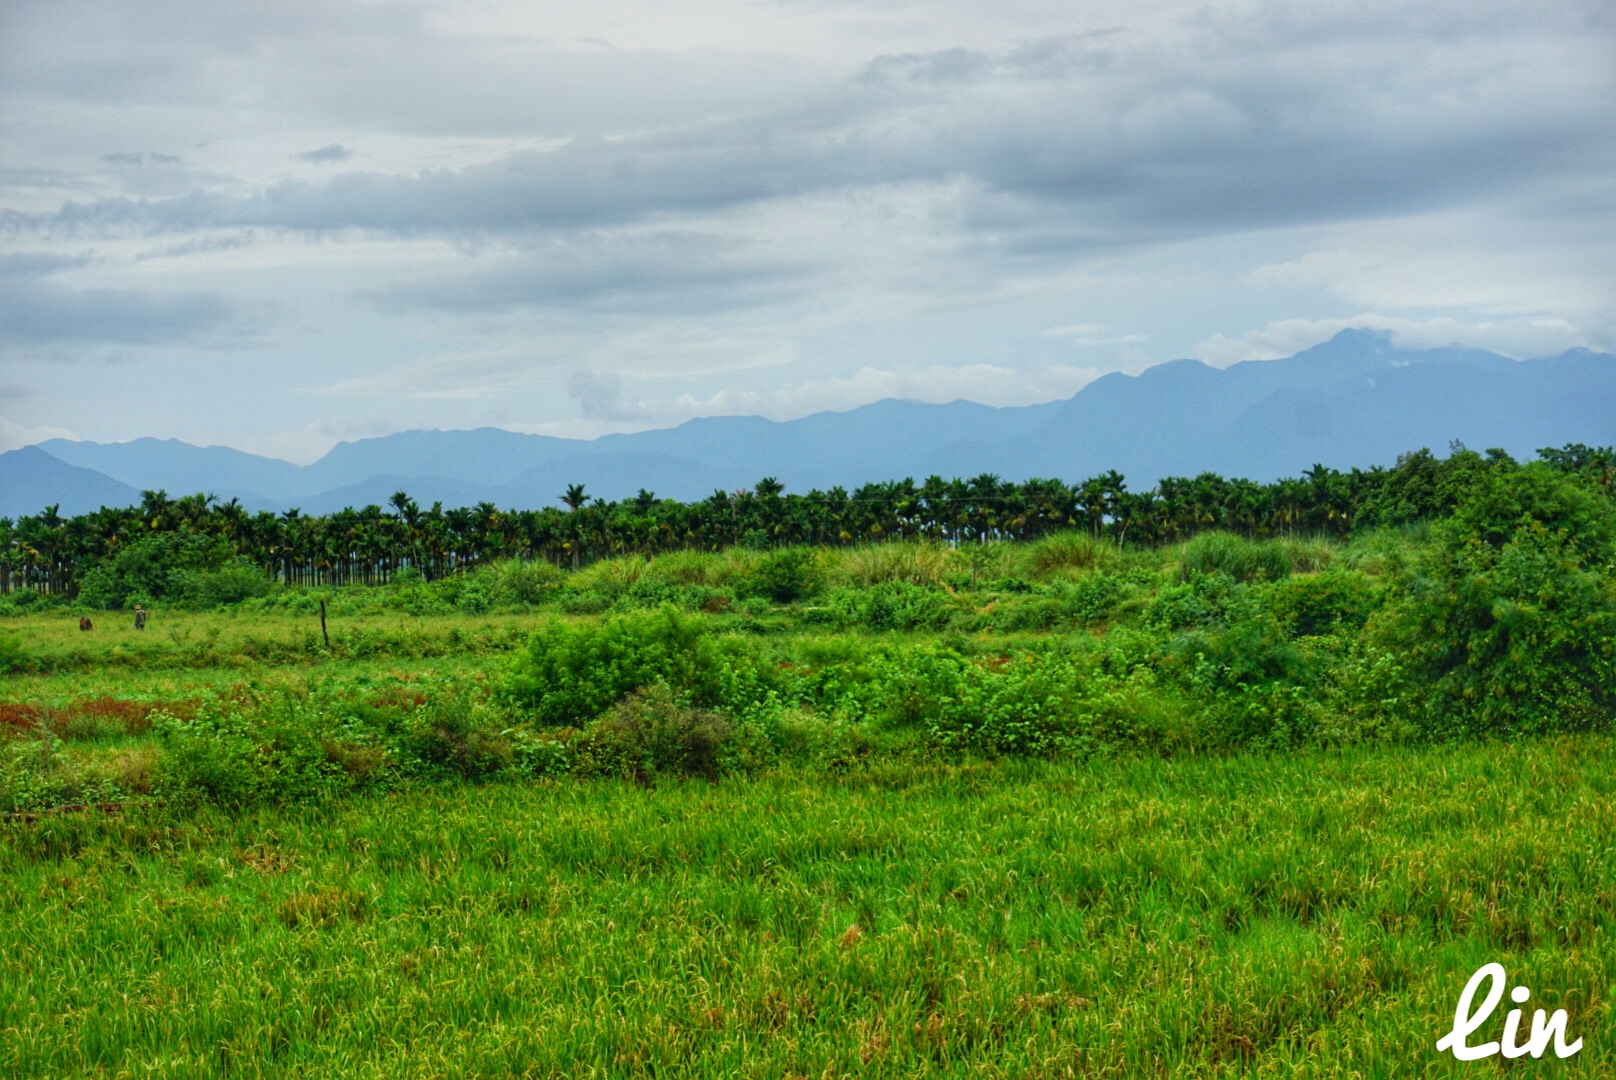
(85, 623)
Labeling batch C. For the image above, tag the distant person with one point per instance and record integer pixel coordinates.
(85, 623)
(140, 617)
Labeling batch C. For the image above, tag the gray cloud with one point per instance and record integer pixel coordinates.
(675, 271)
(378, 67)
(138, 159)
(37, 312)
(30, 265)
(600, 396)
(728, 200)
(44, 313)
(1069, 141)
(326, 154)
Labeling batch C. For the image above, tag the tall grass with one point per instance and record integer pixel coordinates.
(913, 563)
(623, 570)
(1313, 915)
(1064, 552)
(1241, 559)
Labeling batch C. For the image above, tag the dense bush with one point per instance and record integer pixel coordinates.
(1249, 684)
(448, 734)
(1424, 487)
(519, 582)
(1069, 551)
(568, 675)
(1325, 603)
(235, 757)
(14, 659)
(22, 601)
(1509, 621)
(650, 733)
(1024, 704)
(1205, 600)
(179, 568)
(889, 605)
(924, 564)
(786, 576)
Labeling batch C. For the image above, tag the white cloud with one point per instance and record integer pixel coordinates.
(1499, 260)
(13, 435)
(308, 444)
(988, 384)
(775, 206)
(1093, 334)
(1519, 338)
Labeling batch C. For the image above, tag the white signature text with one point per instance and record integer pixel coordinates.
(1465, 1022)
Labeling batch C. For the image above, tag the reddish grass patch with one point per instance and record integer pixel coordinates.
(397, 697)
(18, 716)
(133, 715)
(92, 717)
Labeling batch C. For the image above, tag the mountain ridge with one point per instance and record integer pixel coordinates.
(1355, 400)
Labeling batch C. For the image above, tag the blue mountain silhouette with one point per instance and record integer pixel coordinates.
(1355, 400)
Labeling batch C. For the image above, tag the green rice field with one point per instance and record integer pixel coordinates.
(1304, 915)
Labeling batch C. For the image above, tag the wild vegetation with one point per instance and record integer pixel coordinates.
(1498, 618)
(196, 550)
(1070, 805)
(1310, 914)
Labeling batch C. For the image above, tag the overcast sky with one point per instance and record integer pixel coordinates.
(277, 225)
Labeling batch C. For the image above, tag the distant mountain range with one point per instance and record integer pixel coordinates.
(1354, 400)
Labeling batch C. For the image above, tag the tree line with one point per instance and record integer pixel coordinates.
(49, 553)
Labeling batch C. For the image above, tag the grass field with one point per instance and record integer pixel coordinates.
(1311, 915)
(1300, 915)
(1110, 814)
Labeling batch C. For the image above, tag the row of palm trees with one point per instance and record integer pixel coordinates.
(49, 553)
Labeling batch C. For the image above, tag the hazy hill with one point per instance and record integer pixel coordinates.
(1353, 400)
(31, 480)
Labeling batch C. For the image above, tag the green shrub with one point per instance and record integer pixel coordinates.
(28, 771)
(1509, 621)
(1252, 686)
(452, 736)
(422, 599)
(1091, 598)
(1205, 600)
(651, 592)
(1026, 704)
(18, 601)
(520, 582)
(1424, 487)
(650, 733)
(237, 757)
(682, 567)
(890, 605)
(786, 576)
(896, 605)
(1307, 556)
(232, 583)
(925, 564)
(570, 675)
(14, 659)
(1325, 603)
(611, 574)
(174, 567)
(474, 599)
(585, 602)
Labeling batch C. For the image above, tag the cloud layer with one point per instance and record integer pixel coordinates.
(608, 214)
